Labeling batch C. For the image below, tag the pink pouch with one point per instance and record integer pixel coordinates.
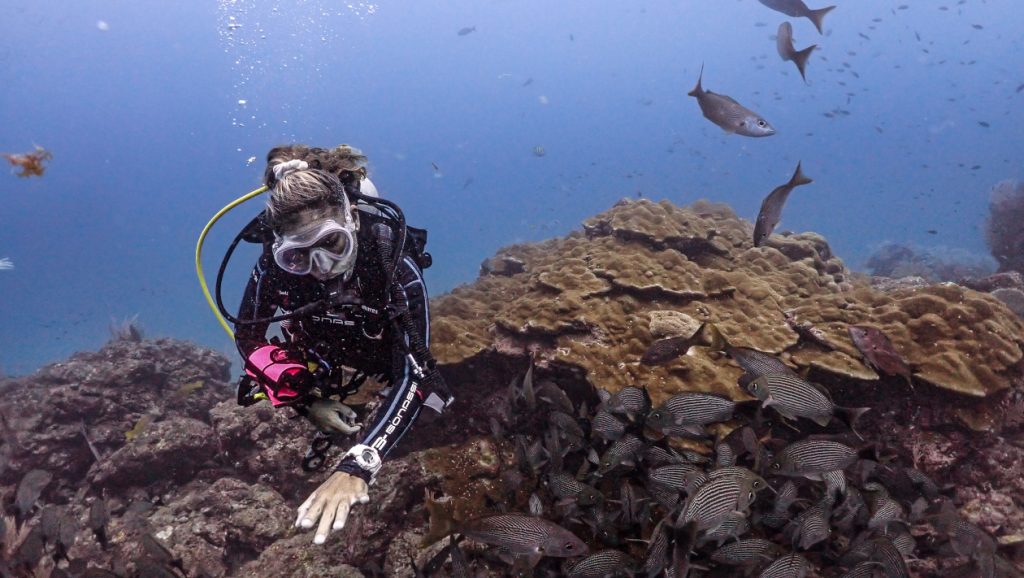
(275, 370)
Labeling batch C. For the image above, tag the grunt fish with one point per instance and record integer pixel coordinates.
(665, 350)
(758, 363)
(607, 426)
(784, 44)
(679, 477)
(518, 534)
(566, 487)
(812, 459)
(29, 489)
(788, 566)
(604, 564)
(714, 501)
(750, 552)
(812, 525)
(624, 452)
(771, 208)
(630, 401)
(728, 114)
(690, 411)
(879, 352)
(797, 9)
(793, 397)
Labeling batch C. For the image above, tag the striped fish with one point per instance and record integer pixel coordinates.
(689, 411)
(526, 535)
(835, 484)
(788, 566)
(885, 553)
(812, 458)
(792, 397)
(630, 401)
(750, 552)
(885, 511)
(607, 426)
(566, 487)
(724, 455)
(779, 515)
(680, 477)
(656, 558)
(715, 501)
(624, 452)
(733, 526)
(811, 526)
(757, 363)
(866, 569)
(604, 564)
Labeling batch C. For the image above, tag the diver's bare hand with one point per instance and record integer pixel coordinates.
(330, 504)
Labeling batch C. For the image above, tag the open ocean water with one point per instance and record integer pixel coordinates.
(154, 112)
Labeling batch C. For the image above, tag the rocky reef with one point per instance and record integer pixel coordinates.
(150, 431)
(1004, 228)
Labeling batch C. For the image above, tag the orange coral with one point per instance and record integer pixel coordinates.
(31, 163)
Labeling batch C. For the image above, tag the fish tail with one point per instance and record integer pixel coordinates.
(800, 59)
(817, 16)
(852, 415)
(442, 520)
(799, 178)
(697, 90)
(683, 539)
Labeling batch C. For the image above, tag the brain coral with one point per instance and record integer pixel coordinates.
(585, 303)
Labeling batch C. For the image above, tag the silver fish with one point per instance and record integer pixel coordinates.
(812, 458)
(691, 410)
(714, 501)
(679, 477)
(733, 526)
(771, 208)
(797, 9)
(607, 426)
(657, 548)
(758, 363)
(784, 44)
(629, 401)
(724, 455)
(730, 115)
(625, 452)
(812, 525)
(564, 486)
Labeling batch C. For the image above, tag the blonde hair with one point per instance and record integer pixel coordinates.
(329, 171)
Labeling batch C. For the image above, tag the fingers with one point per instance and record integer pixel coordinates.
(341, 516)
(326, 521)
(304, 508)
(313, 512)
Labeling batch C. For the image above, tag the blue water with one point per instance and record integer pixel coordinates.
(152, 109)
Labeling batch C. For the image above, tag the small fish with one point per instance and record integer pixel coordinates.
(758, 363)
(466, 30)
(607, 426)
(1020, 89)
(750, 552)
(680, 477)
(811, 526)
(665, 350)
(159, 553)
(728, 114)
(732, 527)
(187, 388)
(630, 401)
(984, 124)
(771, 208)
(604, 564)
(99, 517)
(139, 427)
(714, 501)
(724, 455)
(779, 514)
(812, 458)
(624, 452)
(784, 44)
(797, 9)
(566, 487)
(793, 397)
(549, 392)
(657, 555)
(29, 489)
(519, 534)
(879, 352)
(691, 410)
(788, 566)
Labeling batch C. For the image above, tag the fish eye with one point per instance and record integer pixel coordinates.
(753, 387)
(756, 484)
(761, 123)
(570, 546)
(776, 466)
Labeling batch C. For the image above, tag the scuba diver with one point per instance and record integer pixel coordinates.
(346, 271)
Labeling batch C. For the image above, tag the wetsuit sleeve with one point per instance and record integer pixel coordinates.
(402, 406)
(257, 302)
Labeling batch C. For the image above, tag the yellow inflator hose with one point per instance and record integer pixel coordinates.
(199, 253)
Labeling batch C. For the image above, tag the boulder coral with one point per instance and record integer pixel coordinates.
(1004, 229)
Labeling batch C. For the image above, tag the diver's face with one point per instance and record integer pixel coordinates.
(317, 242)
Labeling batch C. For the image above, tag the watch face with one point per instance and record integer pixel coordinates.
(368, 456)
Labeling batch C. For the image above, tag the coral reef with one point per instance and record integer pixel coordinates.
(1004, 228)
(149, 429)
(934, 264)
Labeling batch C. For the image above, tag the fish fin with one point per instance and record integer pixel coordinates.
(851, 415)
(799, 178)
(698, 90)
(683, 541)
(694, 430)
(818, 16)
(822, 420)
(800, 59)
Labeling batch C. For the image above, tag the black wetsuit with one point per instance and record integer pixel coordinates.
(348, 336)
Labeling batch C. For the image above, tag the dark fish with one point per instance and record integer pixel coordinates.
(732, 527)
(665, 350)
(518, 534)
(630, 401)
(757, 363)
(784, 44)
(1020, 89)
(811, 526)
(879, 352)
(549, 392)
(656, 558)
(680, 477)
(811, 459)
(690, 411)
(29, 490)
(779, 514)
(604, 564)
(750, 552)
(466, 30)
(724, 455)
(835, 484)
(564, 486)
(31, 550)
(788, 566)
(98, 520)
(797, 9)
(607, 426)
(984, 124)
(460, 567)
(567, 425)
(730, 115)
(771, 208)
(160, 553)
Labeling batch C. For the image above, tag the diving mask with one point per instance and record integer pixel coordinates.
(325, 250)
